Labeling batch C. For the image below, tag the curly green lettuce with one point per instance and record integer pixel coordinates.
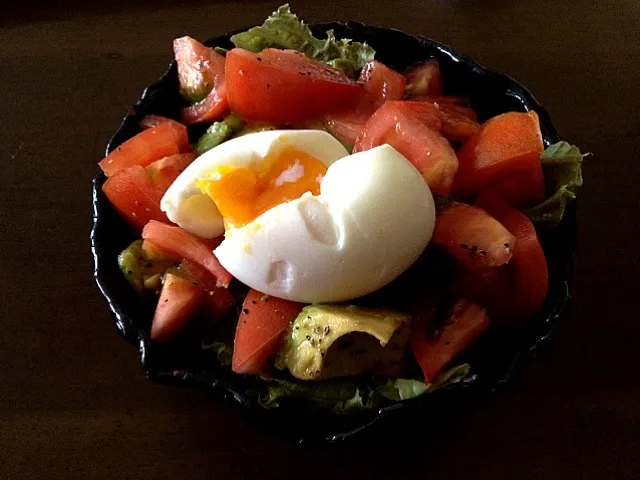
(284, 30)
(562, 167)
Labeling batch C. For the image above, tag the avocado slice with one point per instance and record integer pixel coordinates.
(327, 341)
(142, 272)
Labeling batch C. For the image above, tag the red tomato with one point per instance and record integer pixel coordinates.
(440, 99)
(285, 86)
(262, 324)
(499, 147)
(380, 83)
(412, 129)
(523, 187)
(527, 271)
(434, 352)
(424, 79)
(460, 110)
(146, 147)
(179, 301)
(134, 195)
(202, 78)
(472, 236)
(176, 243)
(217, 300)
(151, 120)
(164, 171)
(455, 126)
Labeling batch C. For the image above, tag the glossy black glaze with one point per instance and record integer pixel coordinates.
(495, 359)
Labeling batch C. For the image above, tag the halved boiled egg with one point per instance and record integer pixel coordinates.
(232, 184)
(306, 222)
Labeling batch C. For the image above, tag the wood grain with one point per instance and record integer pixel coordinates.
(73, 402)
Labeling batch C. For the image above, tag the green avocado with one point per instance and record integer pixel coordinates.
(327, 341)
(143, 273)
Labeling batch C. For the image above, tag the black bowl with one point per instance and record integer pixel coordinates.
(494, 360)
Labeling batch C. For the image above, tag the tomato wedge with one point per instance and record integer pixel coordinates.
(166, 139)
(380, 84)
(180, 299)
(456, 126)
(424, 79)
(524, 187)
(285, 86)
(177, 244)
(434, 352)
(218, 301)
(502, 145)
(163, 172)
(262, 324)
(201, 72)
(472, 236)
(134, 195)
(412, 129)
(151, 120)
(528, 270)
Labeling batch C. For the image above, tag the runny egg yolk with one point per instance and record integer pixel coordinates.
(244, 193)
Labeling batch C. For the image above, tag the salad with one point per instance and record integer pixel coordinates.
(343, 231)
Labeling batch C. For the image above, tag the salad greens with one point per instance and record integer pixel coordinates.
(562, 167)
(284, 30)
(347, 395)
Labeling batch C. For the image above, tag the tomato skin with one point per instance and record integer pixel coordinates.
(456, 126)
(285, 86)
(163, 172)
(433, 353)
(218, 301)
(176, 243)
(523, 187)
(501, 145)
(528, 272)
(262, 323)
(180, 299)
(146, 147)
(473, 237)
(412, 129)
(201, 72)
(151, 120)
(380, 84)
(134, 195)
(440, 99)
(424, 79)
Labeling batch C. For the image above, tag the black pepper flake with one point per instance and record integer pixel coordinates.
(308, 337)
(506, 245)
(327, 329)
(253, 302)
(129, 272)
(322, 353)
(166, 300)
(316, 330)
(474, 248)
(268, 86)
(259, 59)
(447, 342)
(483, 253)
(195, 284)
(245, 310)
(309, 317)
(148, 265)
(464, 246)
(297, 328)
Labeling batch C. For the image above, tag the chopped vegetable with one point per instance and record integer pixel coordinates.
(562, 166)
(424, 79)
(285, 31)
(218, 132)
(179, 300)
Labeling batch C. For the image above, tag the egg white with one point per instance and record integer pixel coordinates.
(373, 218)
(196, 212)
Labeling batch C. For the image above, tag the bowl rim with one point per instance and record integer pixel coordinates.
(221, 388)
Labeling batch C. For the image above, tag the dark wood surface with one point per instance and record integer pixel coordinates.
(73, 402)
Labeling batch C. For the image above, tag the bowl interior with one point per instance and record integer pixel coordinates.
(494, 360)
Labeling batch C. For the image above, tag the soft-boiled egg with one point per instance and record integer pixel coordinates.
(232, 184)
(372, 218)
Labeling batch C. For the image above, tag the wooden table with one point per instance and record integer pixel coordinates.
(73, 402)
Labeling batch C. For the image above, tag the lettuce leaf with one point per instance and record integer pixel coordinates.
(562, 167)
(284, 30)
(340, 396)
(223, 351)
(403, 388)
